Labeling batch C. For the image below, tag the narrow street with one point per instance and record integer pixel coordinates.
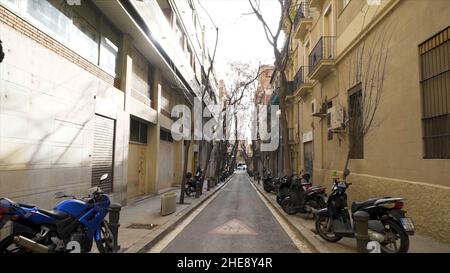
(236, 220)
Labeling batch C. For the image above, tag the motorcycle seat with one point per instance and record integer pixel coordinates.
(25, 205)
(358, 205)
(59, 215)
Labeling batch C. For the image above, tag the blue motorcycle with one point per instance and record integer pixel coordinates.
(71, 227)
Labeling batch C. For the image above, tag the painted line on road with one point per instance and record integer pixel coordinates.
(299, 243)
(164, 242)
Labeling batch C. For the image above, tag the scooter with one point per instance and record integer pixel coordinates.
(191, 182)
(283, 189)
(302, 197)
(388, 224)
(267, 181)
(70, 227)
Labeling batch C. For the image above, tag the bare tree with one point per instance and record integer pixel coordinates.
(281, 59)
(365, 79)
(206, 89)
(242, 83)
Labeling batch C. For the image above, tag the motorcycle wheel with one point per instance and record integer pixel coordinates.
(288, 206)
(326, 234)
(106, 243)
(7, 245)
(279, 199)
(397, 240)
(313, 204)
(267, 188)
(188, 191)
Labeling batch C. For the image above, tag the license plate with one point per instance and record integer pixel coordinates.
(407, 224)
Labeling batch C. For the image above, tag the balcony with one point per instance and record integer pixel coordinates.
(302, 84)
(302, 21)
(322, 57)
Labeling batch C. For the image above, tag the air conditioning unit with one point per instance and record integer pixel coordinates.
(336, 117)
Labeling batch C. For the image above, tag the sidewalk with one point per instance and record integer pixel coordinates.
(149, 225)
(306, 226)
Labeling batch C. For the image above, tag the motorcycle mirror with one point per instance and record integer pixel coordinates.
(102, 179)
(59, 195)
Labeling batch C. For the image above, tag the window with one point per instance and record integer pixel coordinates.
(140, 74)
(108, 55)
(179, 33)
(53, 14)
(356, 135)
(138, 131)
(330, 133)
(190, 56)
(435, 84)
(83, 28)
(165, 136)
(84, 39)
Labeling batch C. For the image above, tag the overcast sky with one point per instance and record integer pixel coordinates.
(241, 37)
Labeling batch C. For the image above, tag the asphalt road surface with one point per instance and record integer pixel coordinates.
(237, 220)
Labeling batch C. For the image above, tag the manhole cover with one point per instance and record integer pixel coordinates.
(142, 226)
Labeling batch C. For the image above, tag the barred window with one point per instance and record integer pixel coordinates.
(165, 136)
(138, 131)
(356, 134)
(435, 84)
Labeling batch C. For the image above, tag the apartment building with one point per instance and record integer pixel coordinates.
(371, 80)
(267, 93)
(88, 89)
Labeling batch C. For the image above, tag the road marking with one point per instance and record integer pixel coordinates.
(163, 243)
(233, 227)
(291, 233)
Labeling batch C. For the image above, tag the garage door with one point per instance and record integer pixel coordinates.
(103, 154)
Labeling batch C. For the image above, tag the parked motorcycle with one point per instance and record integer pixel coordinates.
(267, 181)
(191, 182)
(190, 186)
(387, 225)
(302, 197)
(283, 188)
(222, 176)
(71, 226)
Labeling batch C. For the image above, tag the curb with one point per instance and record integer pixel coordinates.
(171, 225)
(307, 235)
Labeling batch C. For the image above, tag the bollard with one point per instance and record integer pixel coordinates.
(114, 215)
(198, 185)
(361, 230)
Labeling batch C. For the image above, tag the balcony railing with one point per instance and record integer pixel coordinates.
(301, 77)
(302, 13)
(290, 88)
(324, 50)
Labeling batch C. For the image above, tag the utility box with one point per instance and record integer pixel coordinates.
(168, 203)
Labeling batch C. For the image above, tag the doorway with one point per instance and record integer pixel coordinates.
(308, 157)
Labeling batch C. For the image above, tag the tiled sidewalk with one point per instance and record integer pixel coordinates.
(418, 243)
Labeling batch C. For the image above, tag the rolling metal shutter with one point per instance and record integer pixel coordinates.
(103, 154)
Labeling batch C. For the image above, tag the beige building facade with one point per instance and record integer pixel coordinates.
(343, 51)
(86, 90)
